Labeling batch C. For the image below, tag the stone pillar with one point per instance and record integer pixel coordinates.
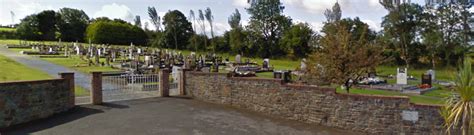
(70, 79)
(181, 82)
(164, 83)
(96, 92)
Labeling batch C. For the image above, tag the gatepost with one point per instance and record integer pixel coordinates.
(69, 76)
(96, 92)
(164, 85)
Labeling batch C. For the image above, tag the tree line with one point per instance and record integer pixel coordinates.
(412, 35)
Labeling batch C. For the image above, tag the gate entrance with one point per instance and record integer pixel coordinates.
(117, 87)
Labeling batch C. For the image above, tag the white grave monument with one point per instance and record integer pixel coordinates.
(402, 75)
(238, 59)
(432, 73)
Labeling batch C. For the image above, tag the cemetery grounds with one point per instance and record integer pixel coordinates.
(436, 96)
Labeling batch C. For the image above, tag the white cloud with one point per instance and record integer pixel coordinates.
(115, 10)
(240, 3)
(20, 8)
(373, 25)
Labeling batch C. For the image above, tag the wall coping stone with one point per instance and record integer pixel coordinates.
(30, 81)
(328, 90)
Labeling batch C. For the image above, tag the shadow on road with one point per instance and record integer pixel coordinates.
(57, 119)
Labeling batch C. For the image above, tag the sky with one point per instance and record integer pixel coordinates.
(310, 11)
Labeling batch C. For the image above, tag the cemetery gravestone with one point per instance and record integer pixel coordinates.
(238, 59)
(426, 79)
(432, 73)
(402, 75)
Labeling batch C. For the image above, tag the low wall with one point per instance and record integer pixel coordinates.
(25, 101)
(316, 105)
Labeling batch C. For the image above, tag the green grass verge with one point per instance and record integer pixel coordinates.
(79, 91)
(420, 99)
(441, 74)
(7, 29)
(77, 64)
(13, 71)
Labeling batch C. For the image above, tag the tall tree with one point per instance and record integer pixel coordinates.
(192, 17)
(48, 21)
(234, 20)
(73, 24)
(401, 26)
(178, 29)
(210, 19)
(296, 40)
(202, 21)
(138, 21)
(342, 58)
(236, 36)
(154, 18)
(452, 30)
(28, 28)
(333, 14)
(267, 24)
(430, 33)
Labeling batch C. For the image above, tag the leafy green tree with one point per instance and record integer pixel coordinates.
(47, 24)
(236, 36)
(297, 39)
(266, 26)
(430, 34)
(333, 14)
(154, 18)
(178, 30)
(28, 28)
(210, 19)
(341, 57)
(138, 21)
(401, 26)
(115, 32)
(73, 24)
(452, 27)
(192, 17)
(202, 19)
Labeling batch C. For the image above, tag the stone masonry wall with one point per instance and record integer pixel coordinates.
(316, 105)
(25, 101)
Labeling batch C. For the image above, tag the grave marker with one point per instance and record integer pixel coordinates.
(402, 75)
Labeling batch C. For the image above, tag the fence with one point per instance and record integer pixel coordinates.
(129, 86)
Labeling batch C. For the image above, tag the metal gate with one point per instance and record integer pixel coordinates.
(117, 87)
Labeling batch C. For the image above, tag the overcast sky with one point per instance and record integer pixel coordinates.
(310, 11)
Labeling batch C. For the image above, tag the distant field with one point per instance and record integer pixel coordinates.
(7, 29)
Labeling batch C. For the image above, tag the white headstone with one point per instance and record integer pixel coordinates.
(432, 73)
(50, 49)
(139, 51)
(78, 51)
(303, 65)
(402, 74)
(238, 59)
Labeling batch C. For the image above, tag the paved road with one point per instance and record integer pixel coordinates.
(169, 116)
(81, 79)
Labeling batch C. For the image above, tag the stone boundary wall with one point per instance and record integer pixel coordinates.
(316, 105)
(24, 101)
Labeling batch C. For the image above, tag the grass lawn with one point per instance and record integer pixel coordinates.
(7, 29)
(77, 64)
(421, 99)
(441, 74)
(14, 71)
